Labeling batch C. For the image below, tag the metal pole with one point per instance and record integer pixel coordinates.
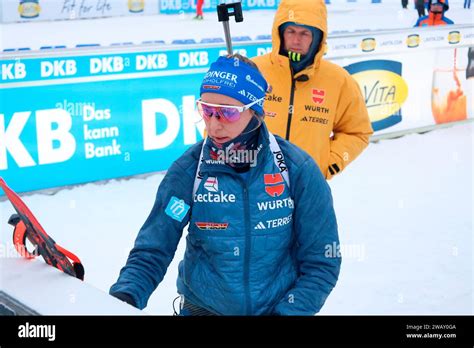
(223, 16)
(228, 40)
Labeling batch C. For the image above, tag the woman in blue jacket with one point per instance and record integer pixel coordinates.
(262, 235)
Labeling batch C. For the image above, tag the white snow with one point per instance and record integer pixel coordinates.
(51, 292)
(404, 210)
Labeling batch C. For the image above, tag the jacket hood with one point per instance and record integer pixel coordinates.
(306, 12)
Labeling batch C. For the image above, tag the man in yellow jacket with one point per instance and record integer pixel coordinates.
(314, 103)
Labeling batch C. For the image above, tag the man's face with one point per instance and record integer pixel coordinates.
(436, 8)
(297, 39)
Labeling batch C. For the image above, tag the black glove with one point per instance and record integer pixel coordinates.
(125, 298)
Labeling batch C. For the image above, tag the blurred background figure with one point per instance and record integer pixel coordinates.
(199, 13)
(405, 4)
(470, 63)
(420, 7)
(467, 3)
(435, 15)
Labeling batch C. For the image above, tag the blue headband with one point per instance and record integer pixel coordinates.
(236, 79)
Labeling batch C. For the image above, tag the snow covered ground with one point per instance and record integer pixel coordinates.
(341, 17)
(405, 215)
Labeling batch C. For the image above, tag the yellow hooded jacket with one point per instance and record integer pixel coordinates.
(329, 119)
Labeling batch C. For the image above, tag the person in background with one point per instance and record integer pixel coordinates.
(315, 104)
(199, 13)
(470, 63)
(435, 15)
(467, 4)
(420, 7)
(405, 4)
(262, 236)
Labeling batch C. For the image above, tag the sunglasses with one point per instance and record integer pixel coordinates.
(228, 113)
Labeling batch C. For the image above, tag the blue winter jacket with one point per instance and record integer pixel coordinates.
(254, 245)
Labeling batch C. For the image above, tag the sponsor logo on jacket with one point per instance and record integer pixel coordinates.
(318, 95)
(273, 98)
(212, 225)
(383, 88)
(276, 204)
(213, 195)
(211, 184)
(314, 119)
(274, 223)
(454, 37)
(210, 197)
(176, 209)
(280, 159)
(274, 184)
(368, 44)
(270, 114)
(320, 109)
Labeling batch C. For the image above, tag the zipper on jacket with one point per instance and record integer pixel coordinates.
(247, 251)
(290, 107)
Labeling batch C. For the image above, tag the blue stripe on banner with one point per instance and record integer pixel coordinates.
(387, 122)
(389, 65)
(88, 66)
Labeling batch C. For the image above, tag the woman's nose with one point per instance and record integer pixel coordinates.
(214, 123)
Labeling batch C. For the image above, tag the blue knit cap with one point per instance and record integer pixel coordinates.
(236, 79)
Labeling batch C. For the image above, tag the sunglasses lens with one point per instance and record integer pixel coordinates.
(207, 111)
(226, 113)
(230, 114)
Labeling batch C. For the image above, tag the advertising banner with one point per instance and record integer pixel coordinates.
(404, 92)
(43, 10)
(187, 6)
(69, 117)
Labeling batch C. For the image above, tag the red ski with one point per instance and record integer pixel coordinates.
(27, 227)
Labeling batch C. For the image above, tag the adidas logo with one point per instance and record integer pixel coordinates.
(260, 226)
